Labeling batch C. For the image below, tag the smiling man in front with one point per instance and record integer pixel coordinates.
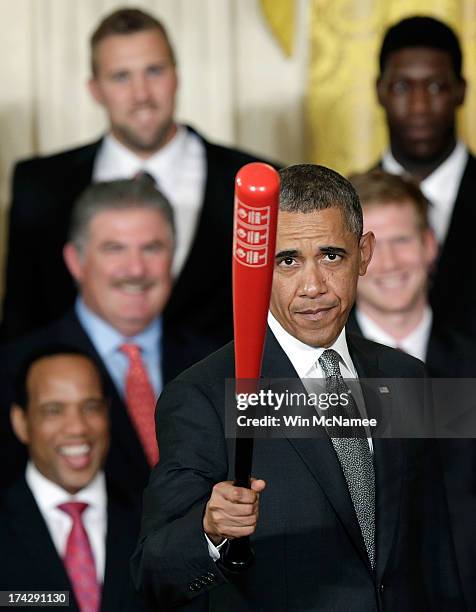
(336, 524)
(62, 526)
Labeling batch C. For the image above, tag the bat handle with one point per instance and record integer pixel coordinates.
(238, 554)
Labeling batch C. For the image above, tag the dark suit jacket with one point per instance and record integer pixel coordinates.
(126, 464)
(452, 355)
(39, 288)
(310, 554)
(29, 560)
(453, 290)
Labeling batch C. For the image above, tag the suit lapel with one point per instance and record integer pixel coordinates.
(318, 454)
(191, 274)
(463, 210)
(388, 459)
(457, 247)
(33, 536)
(201, 300)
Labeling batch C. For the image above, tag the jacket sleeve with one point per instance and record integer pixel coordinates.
(172, 566)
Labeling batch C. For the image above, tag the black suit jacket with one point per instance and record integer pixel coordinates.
(310, 554)
(29, 560)
(39, 288)
(453, 290)
(126, 464)
(452, 355)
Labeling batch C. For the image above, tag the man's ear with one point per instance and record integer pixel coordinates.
(380, 89)
(461, 92)
(73, 262)
(366, 248)
(431, 247)
(95, 90)
(19, 423)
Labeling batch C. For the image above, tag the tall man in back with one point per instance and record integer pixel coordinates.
(420, 88)
(134, 78)
(355, 524)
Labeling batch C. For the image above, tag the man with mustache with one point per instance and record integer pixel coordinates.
(120, 253)
(134, 77)
(421, 87)
(354, 523)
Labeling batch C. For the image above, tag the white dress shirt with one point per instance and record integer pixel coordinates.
(49, 495)
(415, 343)
(440, 187)
(179, 169)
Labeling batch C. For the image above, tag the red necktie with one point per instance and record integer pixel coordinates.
(79, 561)
(140, 400)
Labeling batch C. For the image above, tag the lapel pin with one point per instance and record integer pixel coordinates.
(384, 390)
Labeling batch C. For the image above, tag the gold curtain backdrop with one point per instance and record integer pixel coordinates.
(345, 126)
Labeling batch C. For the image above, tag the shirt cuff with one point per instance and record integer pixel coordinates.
(214, 551)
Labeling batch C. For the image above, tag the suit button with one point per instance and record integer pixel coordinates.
(195, 585)
(381, 588)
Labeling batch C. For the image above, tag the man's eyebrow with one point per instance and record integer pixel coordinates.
(326, 250)
(332, 249)
(288, 253)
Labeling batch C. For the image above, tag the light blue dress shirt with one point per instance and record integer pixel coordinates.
(107, 341)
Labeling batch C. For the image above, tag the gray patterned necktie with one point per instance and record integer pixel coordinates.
(354, 455)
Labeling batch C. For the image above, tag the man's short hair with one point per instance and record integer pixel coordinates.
(51, 350)
(422, 31)
(124, 194)
(306, 188)
(127, 21)
(378, 188)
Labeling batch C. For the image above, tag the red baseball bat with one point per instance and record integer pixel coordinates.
(254, 245)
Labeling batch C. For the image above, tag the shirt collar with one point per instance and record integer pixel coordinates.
(48, 495)
(121, 161)
(107, 339)
(415, 343)
(450, 170)
(441, 186)
(304, 357)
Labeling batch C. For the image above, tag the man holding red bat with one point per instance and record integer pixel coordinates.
(354, 524)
